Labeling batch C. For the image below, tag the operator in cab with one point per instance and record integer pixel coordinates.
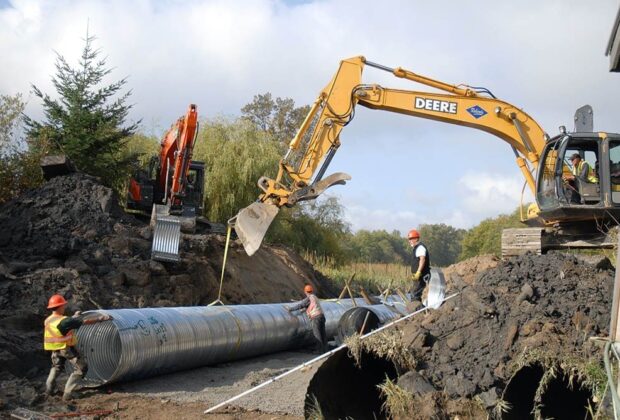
(581, 172)
(420, 265)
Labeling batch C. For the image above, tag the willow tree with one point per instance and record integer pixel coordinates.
(236, 155)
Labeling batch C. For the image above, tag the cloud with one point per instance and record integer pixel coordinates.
(479, 196)
(485, 195)
(362, 217)
(546, 58)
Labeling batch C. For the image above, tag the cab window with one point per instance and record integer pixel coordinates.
(614, 170)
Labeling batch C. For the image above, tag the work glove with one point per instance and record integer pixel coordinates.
(105, 317)
(416, 276)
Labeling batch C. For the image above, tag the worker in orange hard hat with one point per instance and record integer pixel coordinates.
(59, 338)
(420, 265)
(312, 305)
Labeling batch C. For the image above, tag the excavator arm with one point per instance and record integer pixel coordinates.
(301, 171)
(175, 156)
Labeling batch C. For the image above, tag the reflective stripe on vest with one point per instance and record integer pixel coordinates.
(53, 338)
(314, 309)
(589, 176)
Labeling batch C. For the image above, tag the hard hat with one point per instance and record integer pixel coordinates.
(56, 301)
(308, 289)
(413, 234)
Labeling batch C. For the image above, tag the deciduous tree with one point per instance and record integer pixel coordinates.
(19, 167)
(486, 237)
(11, 108)
(279, 117)
(443, 242)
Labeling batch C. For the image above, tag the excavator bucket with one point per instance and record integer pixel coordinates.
(56, 165)
(166, 234)
(252, 222)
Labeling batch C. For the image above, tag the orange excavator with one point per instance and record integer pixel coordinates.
(171, 188)
(577, 214)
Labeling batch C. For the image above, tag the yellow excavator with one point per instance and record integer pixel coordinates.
(579, 213)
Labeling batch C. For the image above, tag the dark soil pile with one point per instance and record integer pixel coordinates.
(65, 215)
(541, 308)
(71, 237)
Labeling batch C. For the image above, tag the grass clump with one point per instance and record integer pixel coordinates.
(387, 344)
(398, 402)
(315, 412)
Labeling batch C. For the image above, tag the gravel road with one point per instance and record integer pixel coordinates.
(215, 384)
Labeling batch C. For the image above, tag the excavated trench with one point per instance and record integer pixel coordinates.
(529, 394)
(342, 389)
(563, 400)
(521, 391)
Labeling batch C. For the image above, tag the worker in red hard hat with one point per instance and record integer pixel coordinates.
(312, 305)
(420, 265)
(59, 338)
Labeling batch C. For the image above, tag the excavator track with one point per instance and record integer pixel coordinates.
(539, 240)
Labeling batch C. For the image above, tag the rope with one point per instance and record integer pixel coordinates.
(219, 293)
(218, 301)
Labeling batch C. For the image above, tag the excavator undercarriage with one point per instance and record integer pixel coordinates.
(539, 240)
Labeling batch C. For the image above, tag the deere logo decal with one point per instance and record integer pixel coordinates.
(435, 105)
(476, 111)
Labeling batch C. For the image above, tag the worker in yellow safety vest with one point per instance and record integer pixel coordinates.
(59, 338)
(312, 305)
(581, 171)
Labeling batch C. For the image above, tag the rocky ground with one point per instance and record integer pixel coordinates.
(192, 392)
(70, 237)
(515, 342)
(529, 310)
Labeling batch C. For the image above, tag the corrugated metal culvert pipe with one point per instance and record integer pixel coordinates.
(151, 341)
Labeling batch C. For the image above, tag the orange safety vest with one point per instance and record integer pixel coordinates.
(314, 309)
(53, 338)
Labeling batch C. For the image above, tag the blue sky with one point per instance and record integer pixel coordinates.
(546, 57)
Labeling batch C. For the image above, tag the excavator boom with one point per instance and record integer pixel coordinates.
(310, 152)
(301, 173)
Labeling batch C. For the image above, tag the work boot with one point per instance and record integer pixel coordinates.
(51, 381)
(72, 382)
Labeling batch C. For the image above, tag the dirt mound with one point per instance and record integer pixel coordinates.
(66, 214)
(70, 236)
(530, 309)
(468, 270)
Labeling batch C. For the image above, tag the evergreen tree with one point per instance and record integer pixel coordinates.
(87, 121)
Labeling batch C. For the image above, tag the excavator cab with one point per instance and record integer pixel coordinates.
(595, 198)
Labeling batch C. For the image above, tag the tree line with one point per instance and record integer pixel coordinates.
(86, 119)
